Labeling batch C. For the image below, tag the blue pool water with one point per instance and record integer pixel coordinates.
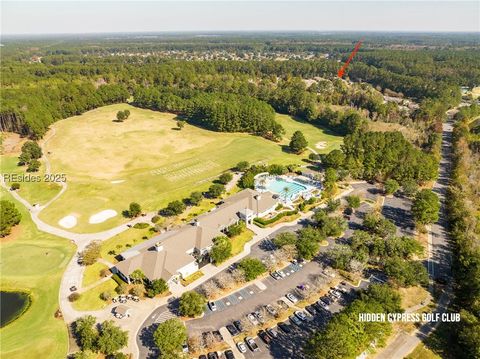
(278, 186)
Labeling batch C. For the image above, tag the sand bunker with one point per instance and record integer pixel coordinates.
(102, 216)
(68, 221)
(117, 181)
(321, 145)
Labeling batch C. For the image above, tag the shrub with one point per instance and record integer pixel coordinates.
(141, 225)
(252, 268)
(155, 219)
(106, 296)
(137, 290)
(15, 186)
(242, 166)
(74, 297)
(192, 304)
(225, 178)
(236, 229)
(216, 190)
(265, 222)
(121, 288)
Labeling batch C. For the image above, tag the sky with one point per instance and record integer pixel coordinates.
(60, 17)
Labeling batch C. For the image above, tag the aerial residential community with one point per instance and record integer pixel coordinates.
(221, 180)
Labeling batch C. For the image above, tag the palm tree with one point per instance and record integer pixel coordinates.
(286, 191)
(263, 181)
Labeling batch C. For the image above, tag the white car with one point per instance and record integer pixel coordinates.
(300, 315)
(212, 306)
(242, 348)
(291, 298)
(322, 304)
(282, 273)
(252, 319)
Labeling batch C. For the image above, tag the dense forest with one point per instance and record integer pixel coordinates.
(464, 207)
(50, 79)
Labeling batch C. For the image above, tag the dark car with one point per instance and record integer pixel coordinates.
(232, 330)
(212, 355)
(348, 211)
(238, 325)
(285, 327)
(264, 336)
(203, 356)
(311, 309)
(229, 354)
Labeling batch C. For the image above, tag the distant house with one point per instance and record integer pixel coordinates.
(175, 254)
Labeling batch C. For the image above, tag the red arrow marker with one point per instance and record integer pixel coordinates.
(344, 67)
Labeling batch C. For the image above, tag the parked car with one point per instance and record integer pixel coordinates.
(242, 348)
(212, 306)
(262, 334)
(335, 293)
(252, 319)
(73, 288)
(285, 327)
(271, 310)
(294, 320)
(272, 332)
(238, 325)
(311, 309)
(291, 297)
(275, 275)
(229, 354)
(185, 347)
(282, 273)
(232, 330)
(212, 355)
(259, 316)
(300, 315)
(251, 344)
(322, 304)
(303, 286)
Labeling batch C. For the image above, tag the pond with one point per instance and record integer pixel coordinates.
(12, 305)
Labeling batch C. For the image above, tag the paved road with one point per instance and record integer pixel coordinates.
(439, 262)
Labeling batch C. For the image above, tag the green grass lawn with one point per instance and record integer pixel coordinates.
(238, 242)
(33, 192)
(90, 300)
(314, 135)
(147, 160)
(34, 261)
(92, 273)
(422, 352)
(121, 242)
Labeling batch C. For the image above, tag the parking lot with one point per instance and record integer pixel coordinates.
(289, 345)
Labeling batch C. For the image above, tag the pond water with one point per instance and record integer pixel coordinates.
(12, 305)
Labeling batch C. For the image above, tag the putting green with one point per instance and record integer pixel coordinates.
(34, 261)
(146, 159)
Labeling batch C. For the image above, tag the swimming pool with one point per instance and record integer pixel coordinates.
(285, 189)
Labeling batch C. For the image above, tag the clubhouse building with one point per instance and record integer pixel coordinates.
(176, 254)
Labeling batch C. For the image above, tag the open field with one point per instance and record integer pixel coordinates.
(121, 242)
(33, 192)
(34, 261)
(313, 134)
(90, 300)
(92, 273)
(147, 160)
